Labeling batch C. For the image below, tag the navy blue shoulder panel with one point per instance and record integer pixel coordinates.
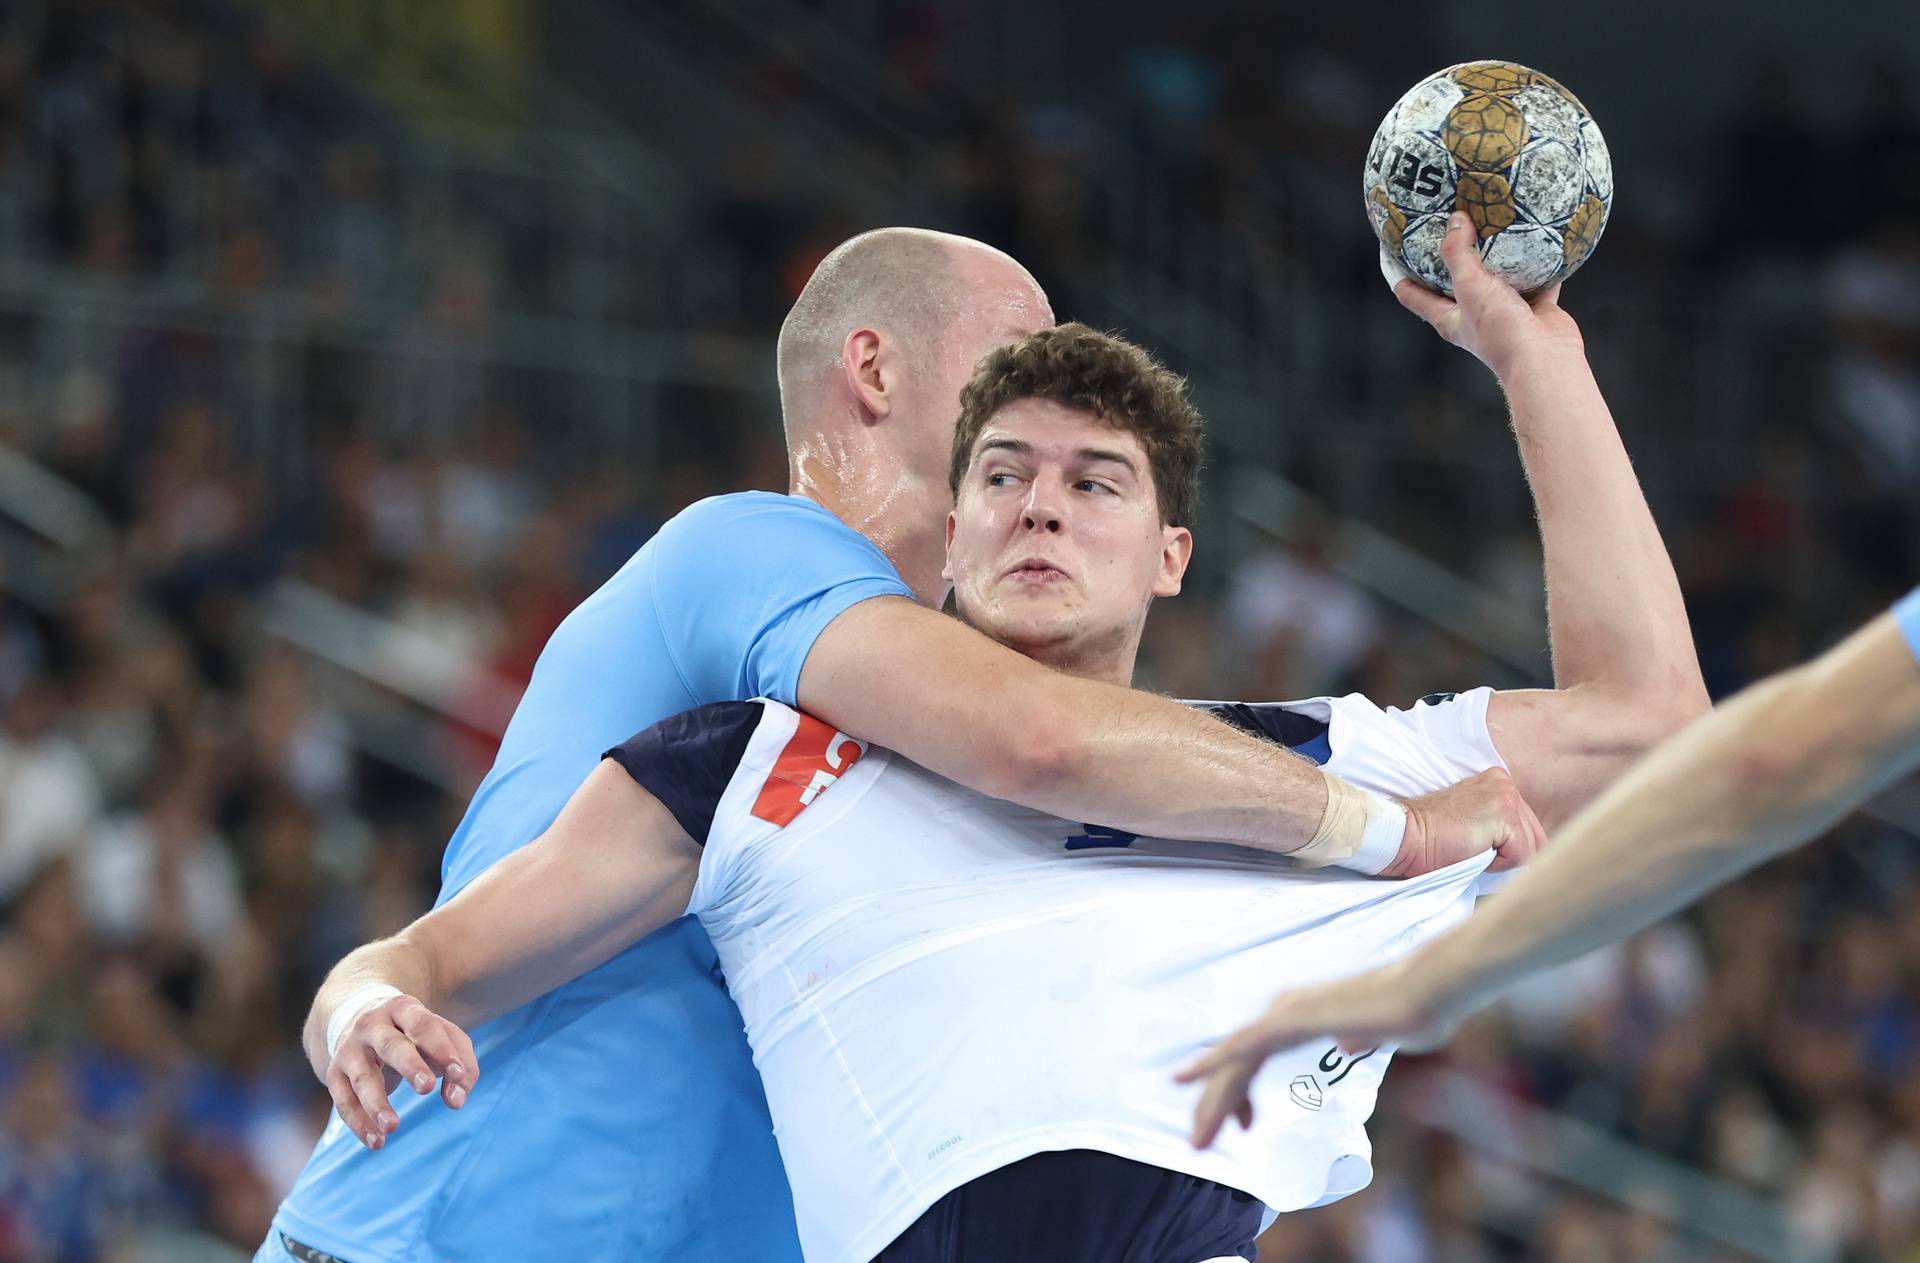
(1303, 734)
(687, 760)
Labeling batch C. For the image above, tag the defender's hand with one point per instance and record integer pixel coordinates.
(1482, 813)
(1362, 1012)
(1486, 315)
(398, 1038)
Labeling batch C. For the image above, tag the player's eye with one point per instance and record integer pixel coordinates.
(999, 480)
(1094, 485)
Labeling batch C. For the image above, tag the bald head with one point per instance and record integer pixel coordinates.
(872, 361)
(910, 284)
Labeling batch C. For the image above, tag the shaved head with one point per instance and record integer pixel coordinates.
(908, 283)
(872, 359)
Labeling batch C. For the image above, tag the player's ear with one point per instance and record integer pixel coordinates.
(1176, 550)
(866, 359)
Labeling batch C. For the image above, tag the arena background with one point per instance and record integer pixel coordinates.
(345, 345)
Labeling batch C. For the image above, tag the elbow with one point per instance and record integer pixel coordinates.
(1651, 729)
(1660, 713)
(1679, 698)
(1677, 712)
(1759, 768)
(1690, 699)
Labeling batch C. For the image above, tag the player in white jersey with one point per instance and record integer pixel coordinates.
(927, 1015)
(967, 1046)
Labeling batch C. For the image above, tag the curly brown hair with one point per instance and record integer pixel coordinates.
(1108, 376)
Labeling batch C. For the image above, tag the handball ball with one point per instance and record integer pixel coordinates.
(1510, 147)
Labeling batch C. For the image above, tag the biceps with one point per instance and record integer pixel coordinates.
(1564, 746)
(614, 867)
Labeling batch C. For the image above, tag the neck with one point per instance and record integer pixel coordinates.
(1106, 657)
(901, 516)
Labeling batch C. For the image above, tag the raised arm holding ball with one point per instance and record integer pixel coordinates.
(1768, 770)
(1618, 626)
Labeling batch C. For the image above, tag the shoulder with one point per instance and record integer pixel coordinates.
(688, 760)
(1443, 716)
(774, 758)
(1440, 739)
(1449, 730)
(708, 731)
(1300, 725)
(760, 532)
(722, 518)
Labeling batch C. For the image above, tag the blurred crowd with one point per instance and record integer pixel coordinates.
(199, 814)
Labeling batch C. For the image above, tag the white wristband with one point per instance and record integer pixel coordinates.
(356, 1002)
(1380, 840)
(1360, 830)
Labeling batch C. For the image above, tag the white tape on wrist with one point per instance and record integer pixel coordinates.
(356, 1002)
(1380, 840)
(1360, 830)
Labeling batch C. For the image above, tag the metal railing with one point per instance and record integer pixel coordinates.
(591, 391)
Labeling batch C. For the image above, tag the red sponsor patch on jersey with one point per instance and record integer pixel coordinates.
(815, 757)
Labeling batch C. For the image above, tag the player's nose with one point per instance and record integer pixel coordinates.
(1042, 510)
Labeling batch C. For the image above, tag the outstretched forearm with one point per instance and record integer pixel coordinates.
(1768, 770)
(613, 867)
(1764, 772)
(1114, 748)
(1616, 619)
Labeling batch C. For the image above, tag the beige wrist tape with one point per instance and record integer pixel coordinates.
(1360, 830)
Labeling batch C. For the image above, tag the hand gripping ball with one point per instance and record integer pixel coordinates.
(1510, 147)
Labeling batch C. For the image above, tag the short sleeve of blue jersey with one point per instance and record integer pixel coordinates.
(744, 584)
(1906, 612)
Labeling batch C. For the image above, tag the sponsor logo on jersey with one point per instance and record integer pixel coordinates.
(1335, 1059)
(815, 757)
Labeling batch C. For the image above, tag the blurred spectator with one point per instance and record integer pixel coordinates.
(375, 385)
(161, 876)
(48, 794)
(1873, 295)
(1295, 625)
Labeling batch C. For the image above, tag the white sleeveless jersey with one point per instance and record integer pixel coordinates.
(936, 983)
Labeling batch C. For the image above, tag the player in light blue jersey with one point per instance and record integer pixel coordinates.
(1770, 768)
(623, 1119)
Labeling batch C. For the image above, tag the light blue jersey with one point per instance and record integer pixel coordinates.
(618, 1116)
(1906, 612)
